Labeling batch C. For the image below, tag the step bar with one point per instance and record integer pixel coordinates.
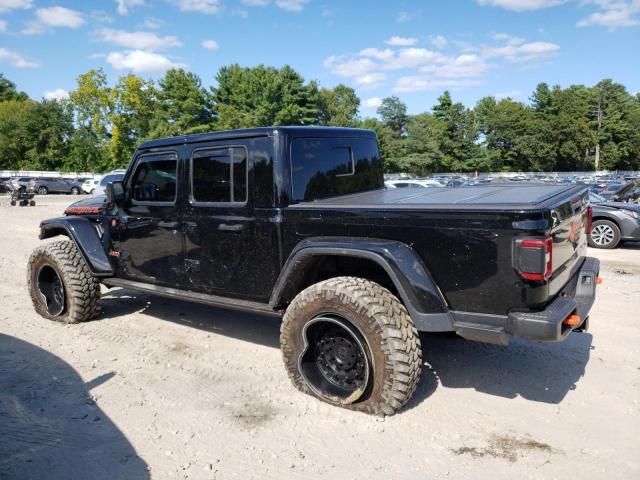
(203, 298)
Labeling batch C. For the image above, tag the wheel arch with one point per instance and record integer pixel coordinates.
(81, 231)
(393, 264)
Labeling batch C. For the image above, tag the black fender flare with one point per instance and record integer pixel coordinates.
(417, 289)
(84, 234)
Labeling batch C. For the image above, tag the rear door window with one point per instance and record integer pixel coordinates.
(219, 175)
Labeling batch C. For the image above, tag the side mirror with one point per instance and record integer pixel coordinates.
(115, 193)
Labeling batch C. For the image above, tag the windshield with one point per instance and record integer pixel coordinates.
(595, 198)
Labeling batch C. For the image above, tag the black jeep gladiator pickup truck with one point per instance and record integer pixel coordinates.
(295, 222)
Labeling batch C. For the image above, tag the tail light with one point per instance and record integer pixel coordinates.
(533, 258)
(589, 219)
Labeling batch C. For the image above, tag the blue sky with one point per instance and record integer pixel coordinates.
(413, 49)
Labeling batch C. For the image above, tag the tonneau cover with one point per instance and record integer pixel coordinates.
(499, 196)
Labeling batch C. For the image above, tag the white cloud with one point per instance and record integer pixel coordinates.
(522, 5)
(522, 53)
(462, 66)
(401, 41)
(373, 102)
(506, 38)
(510, 94)
(141, 61)
(403, 17)
(59, 17)
(613, 14)
(15, 59)
(3, 26)
(292, 5)
(416, 68)
(210, 44)
(256, 3)
(438, 41)
(385, 54)
(152, 23)
(202, 6)
(137, 40)
(125, 5)
(419, 83)
(57, 94)
(8, 5)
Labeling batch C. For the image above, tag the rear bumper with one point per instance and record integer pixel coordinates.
(576, 298)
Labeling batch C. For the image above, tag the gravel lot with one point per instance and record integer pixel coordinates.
(162, 389)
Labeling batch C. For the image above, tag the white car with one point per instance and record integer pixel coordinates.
(88, 186)
(413, 184)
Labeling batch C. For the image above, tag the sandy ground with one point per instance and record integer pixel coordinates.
(163, 389)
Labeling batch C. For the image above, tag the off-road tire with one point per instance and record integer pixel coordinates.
(391, 336)
(81, 289)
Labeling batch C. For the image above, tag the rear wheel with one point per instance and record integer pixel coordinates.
(350, 342)
(604, 234)
(61, 285)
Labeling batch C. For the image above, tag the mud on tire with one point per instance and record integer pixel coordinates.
(81, 291)
(385, 326)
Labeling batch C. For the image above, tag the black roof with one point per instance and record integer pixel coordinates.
(257, 132)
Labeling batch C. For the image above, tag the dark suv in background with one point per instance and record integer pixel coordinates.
(45, 185)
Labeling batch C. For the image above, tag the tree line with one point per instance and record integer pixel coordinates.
(98, 127)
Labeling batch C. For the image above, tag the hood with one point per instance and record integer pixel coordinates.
(622, 206)
(88, 206)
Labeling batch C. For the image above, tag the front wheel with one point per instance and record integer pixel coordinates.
(60, 283)
(604, 234)
(43, 191)
(350, 342)
(75, 191)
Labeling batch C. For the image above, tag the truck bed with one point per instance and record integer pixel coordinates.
(499, 197)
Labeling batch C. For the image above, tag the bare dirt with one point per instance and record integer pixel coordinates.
(162, 389)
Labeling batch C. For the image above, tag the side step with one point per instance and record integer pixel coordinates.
(204, 298)
(482, 333)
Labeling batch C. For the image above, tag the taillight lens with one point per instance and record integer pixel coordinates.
(533, 258)
(589, 219)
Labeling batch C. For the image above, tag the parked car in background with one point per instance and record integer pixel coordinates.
(46, 185)
(113, 176)
(413, 184)
(21, 182)
(613, 222)
(89, 185)
(4, 188)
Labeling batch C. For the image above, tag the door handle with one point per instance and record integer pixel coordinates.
(163, 224)
(238, 227)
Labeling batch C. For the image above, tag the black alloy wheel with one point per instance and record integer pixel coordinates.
(336, 361)
(51, 290)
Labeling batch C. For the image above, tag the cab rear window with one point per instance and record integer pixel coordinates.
(324, 167)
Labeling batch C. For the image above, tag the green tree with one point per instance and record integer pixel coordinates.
(338, 106)
(183, 105)
(262, 96)
(8, 90)
(92, 101)
(393, 113)
(133, 101)
(613, 111)
(457, 140)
